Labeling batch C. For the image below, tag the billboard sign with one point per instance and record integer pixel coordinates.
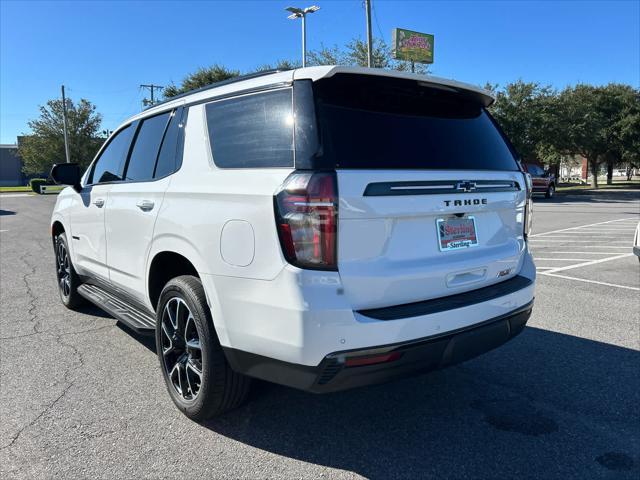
(412, 46)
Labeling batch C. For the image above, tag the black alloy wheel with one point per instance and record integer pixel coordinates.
(195, 369)
(68, 280)
(181, 350)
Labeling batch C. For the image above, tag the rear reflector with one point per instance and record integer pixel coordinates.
(371, 360)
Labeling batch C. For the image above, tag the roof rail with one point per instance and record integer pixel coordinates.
(239, 78)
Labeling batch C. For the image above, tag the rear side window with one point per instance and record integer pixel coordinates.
(110, 165)
(382, 123)
(145, 150)
(253, 131)
(168, 161)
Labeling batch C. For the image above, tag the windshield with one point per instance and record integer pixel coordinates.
(370, 122)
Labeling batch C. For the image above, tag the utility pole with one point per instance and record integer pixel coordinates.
(64, 125)
(367, 5)
(302, 13)
(152, 88)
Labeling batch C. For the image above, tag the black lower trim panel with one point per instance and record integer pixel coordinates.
(417, 356)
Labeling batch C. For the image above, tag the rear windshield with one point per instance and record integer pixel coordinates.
(375, 122)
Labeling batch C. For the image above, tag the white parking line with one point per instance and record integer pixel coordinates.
(550, 274)
(600, 236)
(598, 246)
(14, 195)
(583, 226)
(578, 241)
(590, 262)
(562, 259)
(586, 253)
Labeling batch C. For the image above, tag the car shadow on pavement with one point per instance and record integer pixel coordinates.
(545, 405)
(146, 340)
(6, 212)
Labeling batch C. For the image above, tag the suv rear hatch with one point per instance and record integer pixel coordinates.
(431, 198)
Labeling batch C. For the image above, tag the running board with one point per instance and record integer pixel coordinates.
(132, 316)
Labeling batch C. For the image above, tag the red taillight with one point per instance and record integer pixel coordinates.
(528, 207)
(306, 210)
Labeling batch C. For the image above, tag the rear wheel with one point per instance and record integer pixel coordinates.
(199, 380)
(68, 280)
(551, 191)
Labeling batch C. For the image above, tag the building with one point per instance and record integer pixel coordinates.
(11, 167)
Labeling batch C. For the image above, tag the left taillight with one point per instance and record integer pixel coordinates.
(306, 211)
(528, 208)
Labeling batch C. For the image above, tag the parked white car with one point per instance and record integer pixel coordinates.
(636, 242)
(322, 228)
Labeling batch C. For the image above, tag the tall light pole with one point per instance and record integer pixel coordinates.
(367, 5)
(64, 125)
(302, 13)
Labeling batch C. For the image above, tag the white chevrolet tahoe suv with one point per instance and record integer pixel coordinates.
(321, 228)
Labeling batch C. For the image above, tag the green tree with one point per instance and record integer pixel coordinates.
(355, 54)
(586, 110)
(279, 65)
(201, 78)
(44, 146)
(622, 108)
(526, 112)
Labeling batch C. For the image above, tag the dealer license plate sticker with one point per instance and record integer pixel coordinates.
(456, 232)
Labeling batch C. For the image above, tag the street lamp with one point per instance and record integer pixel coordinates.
(302, 13)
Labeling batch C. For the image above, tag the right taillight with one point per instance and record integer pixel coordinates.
(306, 210)
(528, 207)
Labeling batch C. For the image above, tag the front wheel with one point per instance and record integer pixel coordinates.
(68, 280)
(199, 380)
(551, 191)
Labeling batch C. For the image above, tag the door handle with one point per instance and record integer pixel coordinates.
(98, 202)
(145, 205)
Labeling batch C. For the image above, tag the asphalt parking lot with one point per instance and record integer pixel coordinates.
(82, 397)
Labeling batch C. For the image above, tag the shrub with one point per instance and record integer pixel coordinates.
(35, 183)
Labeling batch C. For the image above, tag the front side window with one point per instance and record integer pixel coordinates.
(110, 165)
(146, 147)
(253, 131)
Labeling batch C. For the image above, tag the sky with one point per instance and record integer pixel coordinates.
(103, 50)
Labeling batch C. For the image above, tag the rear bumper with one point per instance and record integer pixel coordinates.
(410, 358)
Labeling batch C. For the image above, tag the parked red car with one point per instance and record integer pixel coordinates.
(543, 181)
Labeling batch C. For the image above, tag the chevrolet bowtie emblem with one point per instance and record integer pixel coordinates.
(465, 186)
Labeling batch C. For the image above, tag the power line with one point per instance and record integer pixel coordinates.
(151, 87)
(375, 16)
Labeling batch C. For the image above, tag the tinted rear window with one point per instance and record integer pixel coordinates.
(252, 131)
(145, 149)
(167, 159)
(386, 123)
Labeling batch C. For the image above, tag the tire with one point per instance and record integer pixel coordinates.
(68, 279)
(196, 372)
(551, 191)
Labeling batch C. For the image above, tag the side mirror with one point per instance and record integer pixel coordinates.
(66, 174)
